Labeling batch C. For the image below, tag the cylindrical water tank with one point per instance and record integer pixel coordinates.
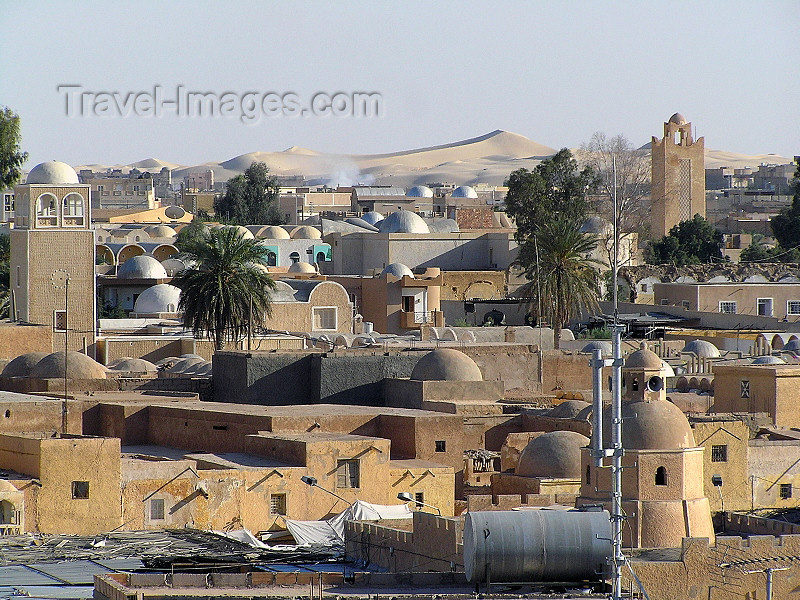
(536, 545)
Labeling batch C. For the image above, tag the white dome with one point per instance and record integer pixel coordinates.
(420, 191)
(397, 270)
(372, 217)
(273, 232)
(702, 349)
(403, 221)
(52, 172)
(173, 266)
(768, 360)
(464, 191)
(161, 298)
(306, 232)
(141, 267)
(302, 267)
(160, 231)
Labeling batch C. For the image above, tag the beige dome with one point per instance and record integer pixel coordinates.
(141, 267)
(126, 364)
(653, 425)
(23, 364)
(643, 359)
(446, 364)
(160, 231)
(568, 410)
(702, 348)
(273, 232)
(79, 366)
(53, 172)
(554, 455)
(302, 267)
(244, 232)
(306, 232)
(678, 119)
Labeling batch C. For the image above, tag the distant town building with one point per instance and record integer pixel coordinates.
(199, 181)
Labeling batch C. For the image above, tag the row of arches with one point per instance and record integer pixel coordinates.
(71, 210)
(117, 254)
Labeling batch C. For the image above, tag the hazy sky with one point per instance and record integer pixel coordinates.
(552, 71)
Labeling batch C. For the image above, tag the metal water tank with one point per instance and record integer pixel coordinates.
(536, 545)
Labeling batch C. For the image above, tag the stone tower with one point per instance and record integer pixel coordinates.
(662, 477)
(678, 176)
(52, 254)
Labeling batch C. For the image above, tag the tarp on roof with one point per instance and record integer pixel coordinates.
(330, 532)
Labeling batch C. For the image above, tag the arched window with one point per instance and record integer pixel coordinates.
(272, 259)
(635, 384)
(73, 210)
(320, 257)
(47, 210)
(294, 257)
(661, 476)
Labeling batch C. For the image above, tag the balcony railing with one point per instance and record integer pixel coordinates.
(415, 319)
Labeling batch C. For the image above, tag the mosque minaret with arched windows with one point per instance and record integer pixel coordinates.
(52, 242)
(662, 477)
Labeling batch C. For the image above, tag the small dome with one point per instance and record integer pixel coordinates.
(161, 298)
(643, 359)
(555, 455)
(568, 410)
(372, 217)
(306, 232)
(792, 345)
(604, 347)
(768, 360)
(666, 369)
(52, 172)
(273, 232)
(403, 221)
(244, 232)
(181, 365)
(160, 231)
(141, 267)
(596, 225)
(420, 191)
(397, 269)
(126, 364)
(464, 191)
(446, 364)
(653, 425)
(444, 226)
(79, 366)
(22, 365)
(678, 119)
(302, 267)
(702, 348)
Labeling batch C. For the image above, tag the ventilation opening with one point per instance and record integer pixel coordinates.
(661, 476)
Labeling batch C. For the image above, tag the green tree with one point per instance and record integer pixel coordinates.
(190, 234)
(226, 280)
(11, 156)
(786, 225)
(555, 186)
(251, 198)
(564, 279)
(689, 242)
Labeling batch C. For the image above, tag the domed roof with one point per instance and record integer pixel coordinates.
(126, 364)
(446, 364)
(52, 172)
(464, 191)
(652, 425)
(702, 348)
(793, 345)
(403, 221)
(568, 410)
(372, 217)
(160, 231)
(22, 365)
(554, 455)
(768, 360)
(597, 225)
(604, 347)
(678, 119)
(420, 191)
(181, 365)
(173, 266)
(244, 232)
(273, 232)
(666, 369)
(306, 232)
(161, 298)
(396, 269)
(643, 359)
(79, 366)
(141, 267)
(302, 267)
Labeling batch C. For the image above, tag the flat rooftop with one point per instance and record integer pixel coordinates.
(224, 460)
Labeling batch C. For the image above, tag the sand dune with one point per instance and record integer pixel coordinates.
(485, 159)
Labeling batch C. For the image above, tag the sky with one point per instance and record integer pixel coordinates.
(554, 72)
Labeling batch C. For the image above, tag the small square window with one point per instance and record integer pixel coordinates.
(786, 491)
(719, 453)
(441, 445)
(685, 304)
(727, 307)
(80, 490)
(419, 499)
(157, 509)
(277, 504)
(793, 307)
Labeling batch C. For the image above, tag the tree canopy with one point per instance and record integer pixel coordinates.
(689, 242)
(556, 186)
(251, 198)
(786, 225)
(226, 287)
(11, 156)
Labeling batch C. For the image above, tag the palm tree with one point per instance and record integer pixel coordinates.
(563, 277)
(226, 285)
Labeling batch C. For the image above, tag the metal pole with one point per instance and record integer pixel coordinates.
(250, 325)
(597, 406)
(615, 265)
(66, 332)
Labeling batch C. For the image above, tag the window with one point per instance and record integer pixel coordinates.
(727, 307)
(80, 490)
(786, 491)
(347, 474)
(764, 307)
(661, 476)
(644, 287)
(277, 504)
(719, 453)
(685, 304)
(324, 317)
(73, 209)
(59, 321)
(664, 302)
(419, 499)
(588, 473)
(635, 385)
(47, 210)
(793, 307)
(294, 257)
(157, 509)
(441, 445)
(8, 202)
(745, 388)
(272, 259)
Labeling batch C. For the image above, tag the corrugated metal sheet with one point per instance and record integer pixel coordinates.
(72, 572)
(60, 592)
(23, 576)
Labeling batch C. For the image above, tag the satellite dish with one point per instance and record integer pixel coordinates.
(174, 212)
